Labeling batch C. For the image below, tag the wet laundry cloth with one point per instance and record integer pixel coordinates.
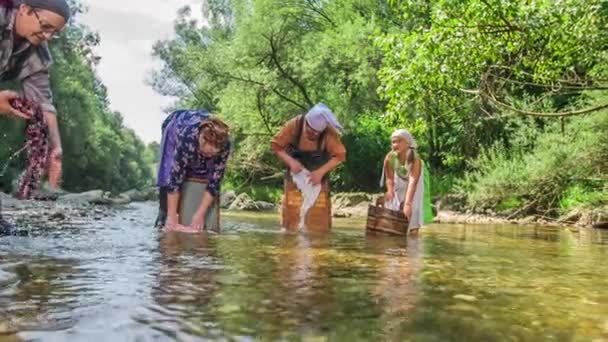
(310, 193)
(37, 147)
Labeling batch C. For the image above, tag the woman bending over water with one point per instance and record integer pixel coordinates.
(407, 181)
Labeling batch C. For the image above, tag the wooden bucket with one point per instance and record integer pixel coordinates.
(318, 217)
(380, 219)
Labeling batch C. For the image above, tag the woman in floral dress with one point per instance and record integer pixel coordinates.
(194, 151)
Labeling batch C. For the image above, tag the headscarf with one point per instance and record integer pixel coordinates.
(405, 134)
(320, 116)
(56, 6)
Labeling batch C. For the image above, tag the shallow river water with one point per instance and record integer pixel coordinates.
(119, 279)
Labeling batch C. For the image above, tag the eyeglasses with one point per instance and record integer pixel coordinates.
(45, 27)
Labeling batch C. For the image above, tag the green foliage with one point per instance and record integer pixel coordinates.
(265, 61)
(562, 171)
(579, 195)
(528, 55)
(367, 142)
(477, 83)
(270, 192)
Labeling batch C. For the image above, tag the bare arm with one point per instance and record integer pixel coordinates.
(172, 201)
(291, 162)
(205, 204)
(389, 175)
(330, 165)
(55, 137)
(413, 182)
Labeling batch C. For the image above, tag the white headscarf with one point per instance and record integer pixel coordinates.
(320, 116)
(405, 134)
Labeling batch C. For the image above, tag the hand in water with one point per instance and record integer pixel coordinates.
(172, 223)
(198, 221)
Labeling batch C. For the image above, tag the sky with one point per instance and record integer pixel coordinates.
(128, 29)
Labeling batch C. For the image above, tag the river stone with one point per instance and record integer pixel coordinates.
(359, 210)
(58, 215)
(243, 202)
(340, 213)
(349, 199)
(527, 220)
(89, 197)
(133, 195)
(467, 298)
(8, 201)
(120, 199)
(150, 194)
(6, 327)
(227, 198)
(265, 206)
(147, 194)
(7, 278)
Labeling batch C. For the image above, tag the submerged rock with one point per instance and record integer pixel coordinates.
(467, 298)
(7, 278)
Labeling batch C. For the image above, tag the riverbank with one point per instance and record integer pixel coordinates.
(97, 204)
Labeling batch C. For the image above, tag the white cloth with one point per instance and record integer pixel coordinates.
(310, 193)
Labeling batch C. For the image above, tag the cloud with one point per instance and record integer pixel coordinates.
(128, 30)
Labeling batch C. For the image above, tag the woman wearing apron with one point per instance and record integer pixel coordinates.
(407, 181)
(309, 143)
(194, 152)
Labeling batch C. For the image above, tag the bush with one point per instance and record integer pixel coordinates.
(562, 170)
(367, 143)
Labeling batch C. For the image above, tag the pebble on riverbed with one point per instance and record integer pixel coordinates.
(467, 298)
(7, 278)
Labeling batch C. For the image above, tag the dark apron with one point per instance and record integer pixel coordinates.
(311, 160)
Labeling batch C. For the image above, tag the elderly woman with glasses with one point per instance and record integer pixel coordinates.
(27, 25)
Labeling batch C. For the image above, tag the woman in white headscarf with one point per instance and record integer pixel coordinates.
(407, 181)
(310, 147)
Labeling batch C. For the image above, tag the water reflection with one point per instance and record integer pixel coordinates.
(399, 263)
(118, 279)
(184, 286)
(42, 297)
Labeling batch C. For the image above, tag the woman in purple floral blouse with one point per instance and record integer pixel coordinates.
(195, 146)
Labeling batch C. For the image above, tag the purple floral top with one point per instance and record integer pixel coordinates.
(187, 162)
